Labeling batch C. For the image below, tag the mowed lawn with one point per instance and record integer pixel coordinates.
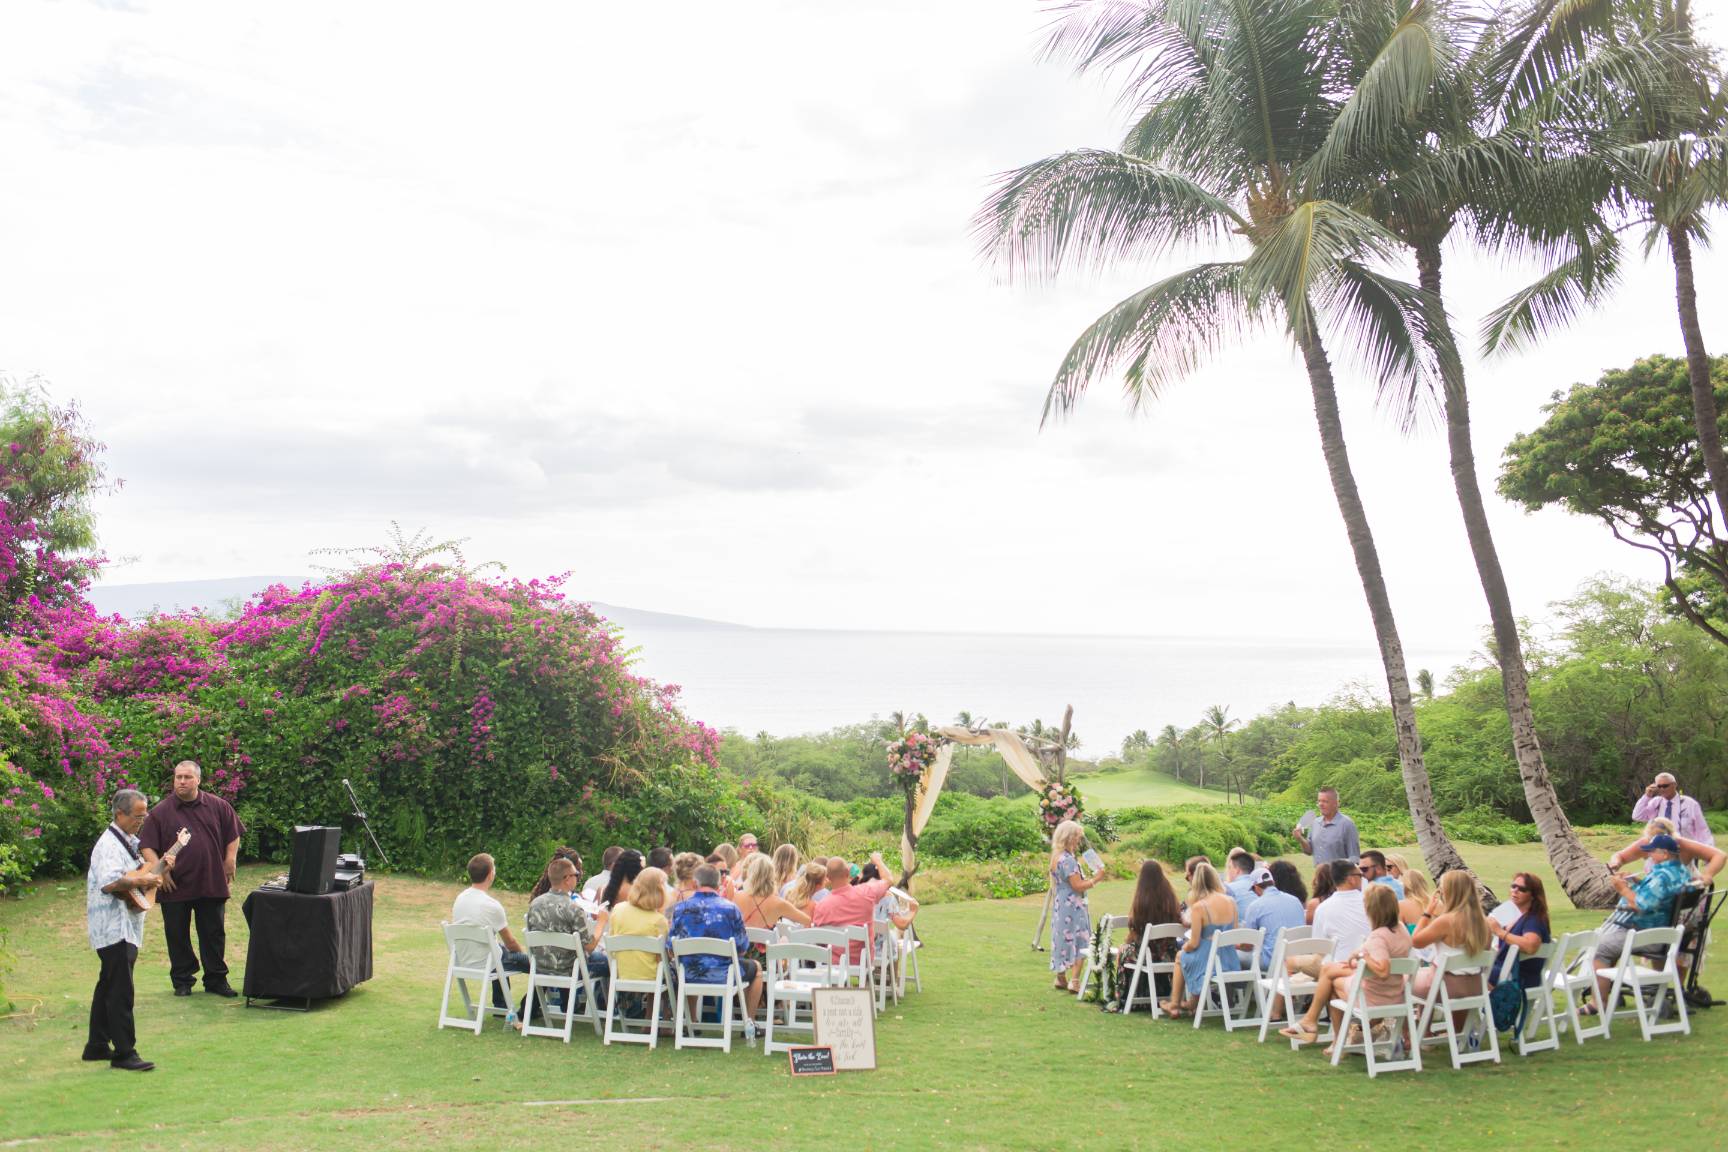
(1140, 789)
(987, 1057)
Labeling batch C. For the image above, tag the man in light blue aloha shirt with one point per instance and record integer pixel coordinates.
(1646, 904)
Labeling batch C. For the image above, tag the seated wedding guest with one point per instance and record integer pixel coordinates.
(1647, 904)
(723, 865)
(847, 903)
(475, 904)
(1454, 925)
(554, 911)
(1525, 934)
(643, 914)
(1340, 918)
(544, 884)
(684, 867)
(1706, 858)
(757, 900)
(1396, 866)
(1322, 889)
(597, 882)
(1210, 911)
(1154, 902)
(705, 913)
(1188, 867)
(660, 858)
(810, 887)
(1417, 893)
(1370, 962)
(786, 868)
(624, 871)
(1239, 869)
(1273, 908)
(1375, 871)
(747, 846)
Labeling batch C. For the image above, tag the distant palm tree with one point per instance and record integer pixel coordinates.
(1238, 98)
(1217, 725)
(1425, 684)
(1136, 743)
(1172, 740)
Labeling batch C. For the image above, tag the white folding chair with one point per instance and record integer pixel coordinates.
(473, 940)
(1662, 947)
(1572, 974)
(763, 936)
(574, 982)
(910, 945)
(1245, 979)
(1279, 985)
(1538, 1001)
(792, 973)
(1401, 1016)
(885, 948)
(1147, 970)
(1094, 958)
(728, 992)
(617, 1027)
(1477, 1040)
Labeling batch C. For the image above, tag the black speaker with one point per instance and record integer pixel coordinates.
(312, 868)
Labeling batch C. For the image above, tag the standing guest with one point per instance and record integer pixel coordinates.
(1239, 869)
(1210, 911)
(625, 869)
(1376, 870)
(1662, 797)
(757, 901)
(597, 882)
(1154, 902)
(810, 887)
(1331, 835)
(747, 845)
(684, 867)
(1646, 904)
(1070, 924)
(554, 911)
(1525, 934)
(544, 884)
(1371, 962)
(850, 904)
(660, 858)
(1273, 908)
(1453, 925)
(116, 931)
(475, 904)
(198, 887)
(1341, 917)
(1707, 858)
(786, 861)
(708, 914)
(1417, 893)
(1322, 889)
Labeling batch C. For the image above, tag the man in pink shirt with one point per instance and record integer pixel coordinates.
(848, 903)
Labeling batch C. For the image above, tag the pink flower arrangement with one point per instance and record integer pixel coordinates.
(1058, 802)
(909, 756)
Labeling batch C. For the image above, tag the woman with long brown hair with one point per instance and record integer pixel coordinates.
(1155, 902)
(1525, 934)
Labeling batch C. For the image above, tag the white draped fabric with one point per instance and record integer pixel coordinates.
(1020, 759)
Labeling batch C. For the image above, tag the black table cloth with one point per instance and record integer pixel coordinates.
(307, 947)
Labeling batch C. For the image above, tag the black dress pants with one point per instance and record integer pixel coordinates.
(111, 1005)
(177, 918)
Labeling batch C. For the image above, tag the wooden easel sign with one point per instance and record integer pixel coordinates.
(846, 1022)
(811, 1060)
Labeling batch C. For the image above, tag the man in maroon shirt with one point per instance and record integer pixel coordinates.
(199, 885)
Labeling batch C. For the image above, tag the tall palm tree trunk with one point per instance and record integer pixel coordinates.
(1583, 877)
(1437, 849)
(1698, 368)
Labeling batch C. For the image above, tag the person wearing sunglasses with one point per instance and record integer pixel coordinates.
(1525, 934)
(1662, 798)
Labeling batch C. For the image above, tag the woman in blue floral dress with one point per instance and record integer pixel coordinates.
(1070, 925)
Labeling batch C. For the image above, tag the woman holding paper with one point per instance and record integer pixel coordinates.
(1070, 923)
(1521, 924)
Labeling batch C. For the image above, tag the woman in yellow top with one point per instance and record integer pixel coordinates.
(642, 916)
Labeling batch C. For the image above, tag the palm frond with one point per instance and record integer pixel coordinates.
(1094, 205)
(1540, 42)
(1555, 300)
(1396, 334)
(1291, 264)
(1159, 335)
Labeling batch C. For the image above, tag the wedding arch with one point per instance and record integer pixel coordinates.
(1028, 757)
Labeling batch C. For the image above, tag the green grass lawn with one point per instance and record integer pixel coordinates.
(1133, 789)
(987, 1057)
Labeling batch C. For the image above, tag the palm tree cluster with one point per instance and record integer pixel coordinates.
(1318, 146)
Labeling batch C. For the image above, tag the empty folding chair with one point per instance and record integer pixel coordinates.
(1146, 970)
(1661, 980)
(1245, 980)
(618, 1027)
(1399, 1019)
(1095, 959)
(692, 996)
(473, 956)
(791, 975)
(885, 948)
(910, 945)
(1476, 1040)
(573, 984)
(1538, 1012)
(1572, 975)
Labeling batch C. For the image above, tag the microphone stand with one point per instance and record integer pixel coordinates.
(355, 800)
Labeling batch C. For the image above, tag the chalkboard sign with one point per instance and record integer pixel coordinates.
(809, 1061)
(846, 1022)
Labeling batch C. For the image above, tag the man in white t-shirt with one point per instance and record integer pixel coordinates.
(1341, 917)
(475, 904)
(597, 883)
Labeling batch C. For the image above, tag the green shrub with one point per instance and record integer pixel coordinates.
(971, 829)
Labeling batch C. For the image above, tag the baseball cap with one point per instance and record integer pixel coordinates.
(1261, 876)
(1662, 842)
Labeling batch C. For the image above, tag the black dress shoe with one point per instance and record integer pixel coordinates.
(223, 989)
(94, 1054)
(179, 991)
(132, 1063)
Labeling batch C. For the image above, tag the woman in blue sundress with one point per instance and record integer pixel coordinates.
(1070, 924)
(1210, 911)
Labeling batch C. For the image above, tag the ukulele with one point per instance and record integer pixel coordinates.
(143, 899)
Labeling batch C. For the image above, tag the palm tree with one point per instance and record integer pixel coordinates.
(1136, 743)
(1473, 159)
(1425, 684)
(1172, 739)
(1236, 97)
(1217, 724)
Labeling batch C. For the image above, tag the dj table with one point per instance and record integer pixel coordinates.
(307, 947)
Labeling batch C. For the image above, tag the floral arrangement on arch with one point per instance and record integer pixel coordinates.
(1058, 802)
(909, 756)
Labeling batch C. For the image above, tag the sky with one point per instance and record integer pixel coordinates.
(683, 300)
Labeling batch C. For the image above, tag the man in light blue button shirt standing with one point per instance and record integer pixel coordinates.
(1331, 835)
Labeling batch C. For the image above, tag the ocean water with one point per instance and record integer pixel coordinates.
(788, 682)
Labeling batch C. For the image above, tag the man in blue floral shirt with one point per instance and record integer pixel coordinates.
(707, 913)
(1646, 904)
